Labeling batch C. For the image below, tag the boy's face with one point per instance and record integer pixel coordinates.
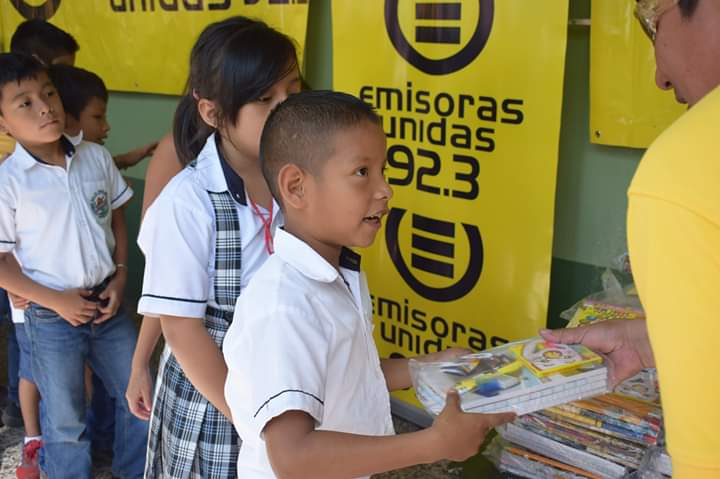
(349, 196)
(93, 121)
(32, 112)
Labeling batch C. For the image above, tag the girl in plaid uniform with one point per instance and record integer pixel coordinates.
(204, 237)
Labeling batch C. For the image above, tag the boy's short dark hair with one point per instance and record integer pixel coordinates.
(300, 131)
(15, 67)
(687, 7)
(77, 87)
(42, 39)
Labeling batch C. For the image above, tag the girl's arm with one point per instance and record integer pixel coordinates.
(199, 357)
(139, 392)
(163, 165)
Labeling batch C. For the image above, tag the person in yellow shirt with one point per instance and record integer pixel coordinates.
(7, 145)
(674, 241)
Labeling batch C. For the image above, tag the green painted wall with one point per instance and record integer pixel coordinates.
(592, 179)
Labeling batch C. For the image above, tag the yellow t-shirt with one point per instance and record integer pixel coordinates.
(7, 145)
(674, 241)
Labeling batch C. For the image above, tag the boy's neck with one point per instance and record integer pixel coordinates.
(70, 131)
(329, 252)
(52, 153)
(72, 126)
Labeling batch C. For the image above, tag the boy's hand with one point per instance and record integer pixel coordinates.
(113, 293)
(133, 157)
(139, 393)
(18, 302)
(459, 434)
(72, 306)
(148, 149)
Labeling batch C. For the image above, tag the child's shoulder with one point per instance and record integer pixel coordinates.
(5, 163)
(11, 167)
(278, 286)
(88, 148)
(7, 172)
(184, 187)
(183, 196)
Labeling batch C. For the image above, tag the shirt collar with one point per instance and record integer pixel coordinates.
(28, 160)
(218, 175)
(302, 257)
(77, 139)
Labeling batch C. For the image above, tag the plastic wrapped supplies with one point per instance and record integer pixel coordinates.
(520, 377)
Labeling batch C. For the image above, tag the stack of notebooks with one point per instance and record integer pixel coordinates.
(522, 377)
(606, 436)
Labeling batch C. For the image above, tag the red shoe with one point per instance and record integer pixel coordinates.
(30, 468)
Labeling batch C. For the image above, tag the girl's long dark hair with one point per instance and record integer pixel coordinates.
(232, 63)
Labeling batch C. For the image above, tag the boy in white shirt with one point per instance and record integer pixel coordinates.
(61, 217)
(307, 390)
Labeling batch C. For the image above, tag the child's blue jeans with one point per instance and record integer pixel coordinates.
(59, 354)
(13, 350)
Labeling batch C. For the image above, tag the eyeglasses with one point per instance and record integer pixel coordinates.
(649, 12)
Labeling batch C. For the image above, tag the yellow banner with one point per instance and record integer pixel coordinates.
(626, 107)
(470, 95)
(144, 45)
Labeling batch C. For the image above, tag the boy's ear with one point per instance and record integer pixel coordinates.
(208, 111)
(291, 186)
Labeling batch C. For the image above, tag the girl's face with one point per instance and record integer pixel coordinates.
(244, 136)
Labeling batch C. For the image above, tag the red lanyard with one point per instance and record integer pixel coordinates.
(267, 224)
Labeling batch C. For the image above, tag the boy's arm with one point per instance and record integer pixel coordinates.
(69, 304)
(297, 450)
(133, 157)
(200, 358)
(397, 373)
(115, 289)
(139, 391)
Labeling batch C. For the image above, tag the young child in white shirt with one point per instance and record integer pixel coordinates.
(63, 247)
(306, 388)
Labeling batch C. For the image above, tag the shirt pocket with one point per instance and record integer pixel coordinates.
(40, 209)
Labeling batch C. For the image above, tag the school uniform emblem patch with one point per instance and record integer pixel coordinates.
(99, 204)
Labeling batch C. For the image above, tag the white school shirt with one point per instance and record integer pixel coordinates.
(301, 339)
(177, 237)
(57, 221)
(18, 315)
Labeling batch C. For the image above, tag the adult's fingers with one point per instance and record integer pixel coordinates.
(564, 335)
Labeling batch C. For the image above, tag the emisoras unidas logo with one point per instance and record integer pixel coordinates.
(36, 10)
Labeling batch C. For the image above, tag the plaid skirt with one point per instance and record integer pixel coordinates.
(189, 437)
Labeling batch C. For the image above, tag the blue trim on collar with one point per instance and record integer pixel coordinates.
(349, 259)
(66, 145)
(235, 183)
